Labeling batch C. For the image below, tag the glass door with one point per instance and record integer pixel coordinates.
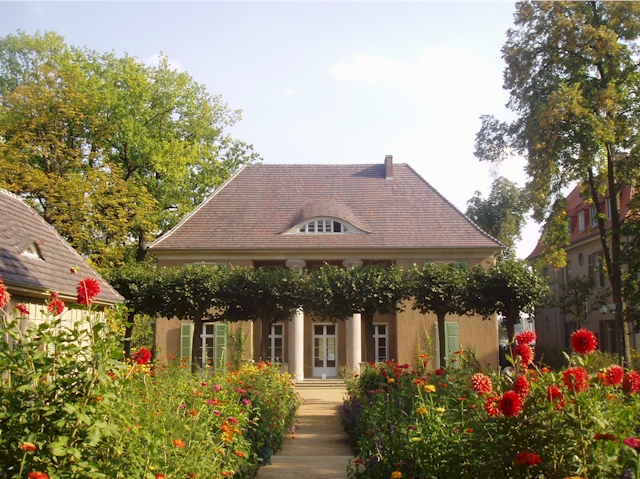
(325, 350)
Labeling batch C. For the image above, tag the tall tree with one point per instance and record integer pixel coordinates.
(578, 297)
(439, 288)
(111, 151)
(337, 293)
(502, 214)
(573, 79)
(509, 288)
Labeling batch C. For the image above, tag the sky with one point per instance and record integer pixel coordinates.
(324, 82)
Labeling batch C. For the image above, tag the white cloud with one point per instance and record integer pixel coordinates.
(444, 77)
(154, 61)
(290, 92)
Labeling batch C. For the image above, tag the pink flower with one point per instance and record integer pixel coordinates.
(232, 420)
(633, 442)
(88, 289)
(217, 388)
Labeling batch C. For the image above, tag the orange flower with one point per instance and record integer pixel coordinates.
(38, 475)
(179, 443)
(27, 446)
(193, 412)
(239, 454)
(192, 474)
(159, 476)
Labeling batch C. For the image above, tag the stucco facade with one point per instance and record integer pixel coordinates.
(306, 215)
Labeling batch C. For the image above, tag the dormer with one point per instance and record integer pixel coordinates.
(325, 217)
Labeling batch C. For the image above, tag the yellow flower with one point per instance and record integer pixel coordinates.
(421, 410)
(429, 388)
(396, 475)
(439, 409)
(391, 380)
(416, 439)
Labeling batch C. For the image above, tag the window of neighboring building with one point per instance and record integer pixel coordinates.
(568, 267)
(32, 251)
(607, 206)
(608, 338)
(596, 269)
(593, 215)
(380, 338)
(570, 225)
(324, 226)
(581, 221)
(276, 343)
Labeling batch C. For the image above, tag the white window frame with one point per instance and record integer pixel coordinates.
(320, 226)
(607, 206)
(593, 216)
(581, 220)
(272, 343)
(376, 339)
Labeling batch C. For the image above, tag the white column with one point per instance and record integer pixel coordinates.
(296, 346)
(354, 342)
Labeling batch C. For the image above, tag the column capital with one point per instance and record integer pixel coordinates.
(295, 263)
(351, 262)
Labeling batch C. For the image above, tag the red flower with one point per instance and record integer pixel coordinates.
(491, 406)
(38, 475)
(527, 459)
(521, 386)
(554, 395)
(159, 476)
(239, 454)
(633, 442)
(439, 372)
(510, 404)
(584, 341)
(525, 352)
(631, 382)
(614, 375)
(142, 356)
(604, 437)
(576, 379)
(481, 383)
(55, 304)
(4, 295)
(525, 337)
(192, 474)
(22, 308)
(27, 446)
(179, 443)
(88, 289)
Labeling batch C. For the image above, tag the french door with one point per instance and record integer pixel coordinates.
(325, 350)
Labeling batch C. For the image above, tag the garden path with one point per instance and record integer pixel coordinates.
(319, 449)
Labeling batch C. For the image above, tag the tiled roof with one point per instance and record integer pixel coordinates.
(256, 206)
(575, 204)
(21, 227)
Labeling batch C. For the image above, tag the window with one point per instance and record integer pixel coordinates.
(570, 225)
(593, 215)
(581, 222)
(607, 206)
(568, 267)
(276, 342)
(214, 344)
(608, 340)
(32, 251)
(596, 269)
(324, 226)
(380, 338)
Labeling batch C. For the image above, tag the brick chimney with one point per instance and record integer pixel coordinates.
(388, 166)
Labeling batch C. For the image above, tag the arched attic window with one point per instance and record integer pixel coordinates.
(32, 251)
(324, 225)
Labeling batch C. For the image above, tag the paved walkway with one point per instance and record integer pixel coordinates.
(320, 448)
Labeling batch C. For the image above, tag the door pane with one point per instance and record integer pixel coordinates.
(331, 352)
(318, 330)
(331, 329)
(318, 352)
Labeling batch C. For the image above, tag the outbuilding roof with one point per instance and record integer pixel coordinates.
(256, 209)
(34, 258)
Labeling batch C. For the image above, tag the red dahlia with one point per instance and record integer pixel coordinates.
(525, 337)
(88, 289)
(576, 379)
(55, 304)
(510, 404)
(142, 356)
(584, 341)
(527, 459)
(4, 295)
(525, 352)
(491, 406)
(22, 308)
(631, 382)
(481, 383)
(614, 375)
(555, 395)
(521, 386)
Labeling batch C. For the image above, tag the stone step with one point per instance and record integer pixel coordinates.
(321, 383)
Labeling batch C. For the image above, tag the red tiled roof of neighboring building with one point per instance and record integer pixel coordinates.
(21, 227)
(255, 208)
(575, 204)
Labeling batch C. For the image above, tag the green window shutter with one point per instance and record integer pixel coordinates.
(463, 266)
(221, 345)
(451, 341)
(186, 337)
(452, 331)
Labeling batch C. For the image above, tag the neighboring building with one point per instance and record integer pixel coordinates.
(306, 215)
(35, 260)
(584, 257)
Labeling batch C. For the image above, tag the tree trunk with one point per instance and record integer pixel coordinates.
(196, 344)
(142, 247)
(442, 340)
(265, 341)
(369, 340)
(127, 335)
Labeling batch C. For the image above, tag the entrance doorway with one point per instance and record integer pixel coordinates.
(325, 350)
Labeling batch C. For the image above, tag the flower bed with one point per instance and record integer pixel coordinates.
(529, 423)
(71, 408)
